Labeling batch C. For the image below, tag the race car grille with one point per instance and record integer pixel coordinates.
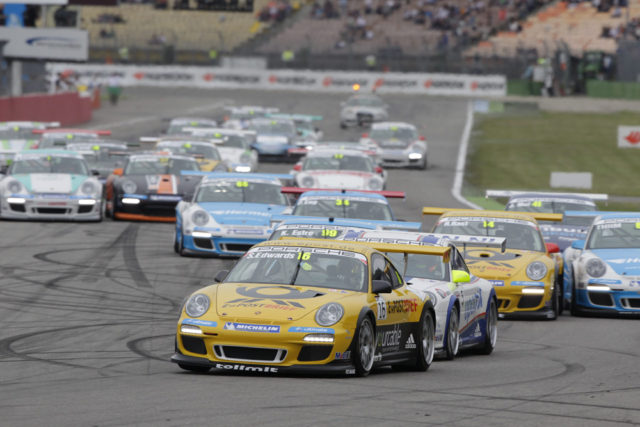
(193, 344)
(503, 303)
(630, 302)
(311, 353)
(254, 354)
(203, 243)
(601, 298)
(235, 247)
(17, 208)
(529, 301)
(160, 210)
(52, 211)
(84, 209)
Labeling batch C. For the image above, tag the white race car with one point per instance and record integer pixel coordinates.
(331, 168)
(466, 305)
(397, 144)
(239, 117)
(362, 110)
(234, 145)
(176, 125)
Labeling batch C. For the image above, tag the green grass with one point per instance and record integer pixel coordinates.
(519, 152)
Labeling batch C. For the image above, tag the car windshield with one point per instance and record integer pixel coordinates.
(406, 134)
(60, 140)
(550, 205)
(520, 234)
(232, 141)
(299, 266)
(309, 232)
(338, 162)
(581, 221)
(304, 125)
(156, 165)
(421, 266)
(206, 151)
(365, 101)
(240, 192)
(622, 234)
(100, 155)
(274, 127)
(17, 133)
(48, 163)
(348, 207)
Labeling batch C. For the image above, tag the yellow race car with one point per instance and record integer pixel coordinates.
(303, 304)
(526, 276)
(204, 151)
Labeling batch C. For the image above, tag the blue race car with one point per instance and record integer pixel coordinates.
(318, 228)
(229, 213)
(605, 277)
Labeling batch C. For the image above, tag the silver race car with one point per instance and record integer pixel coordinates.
(362, 110)
(397, 144)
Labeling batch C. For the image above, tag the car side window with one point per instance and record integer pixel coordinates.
(457, 261)
(380, 268)
(396, 278)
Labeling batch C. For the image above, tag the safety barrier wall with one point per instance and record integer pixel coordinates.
(66, 108)
(299, 80)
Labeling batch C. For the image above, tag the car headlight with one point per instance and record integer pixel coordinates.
(200, 217)
(88, 187)
(415, 156)
(307, 182)
(536, 270)
(15, 187)
(329, 314)
(596, 268)
(197, 305)
(375, 184)
(129, 186)
(245, 158)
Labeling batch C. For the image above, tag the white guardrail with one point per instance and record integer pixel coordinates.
(299, 80)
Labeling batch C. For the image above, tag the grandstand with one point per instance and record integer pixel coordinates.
(579, 26)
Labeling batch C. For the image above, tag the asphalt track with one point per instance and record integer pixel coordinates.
(88, 313)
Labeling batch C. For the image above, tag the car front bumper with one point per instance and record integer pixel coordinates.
(514, 303)
(50, 208)
(149, 208)
(220, 245)
(618, 302)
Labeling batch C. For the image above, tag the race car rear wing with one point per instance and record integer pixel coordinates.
(495, 194)
(221, 131)
(65, 130)
(538, 216)
(387, 194)
(239, 175)
(366, 223)
(434, 239)
(294, 116)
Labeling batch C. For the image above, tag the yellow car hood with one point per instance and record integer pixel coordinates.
(268, 302)
(207, 165)
(490, 263)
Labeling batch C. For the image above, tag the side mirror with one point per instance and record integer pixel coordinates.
(297, 167)
(552, 248)
(381, 287)
(460, 276)
(95, 172)
(578, 244)
(118, 171)
(422, 138)
(222, 274)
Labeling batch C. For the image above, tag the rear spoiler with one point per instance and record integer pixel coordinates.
(59, 130)
(538, 216)
(233, 175)
(387, 194)
(435, 239)
(494, 194)
(379, 224)
(294, 116)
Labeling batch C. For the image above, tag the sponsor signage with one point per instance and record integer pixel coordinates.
(303, 80)
(629, 136)
(67, 44)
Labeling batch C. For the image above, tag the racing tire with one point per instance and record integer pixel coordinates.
(194, 368)
(176, 246)
(452, 345)
(112, 213)
(425, 343)
(365, 348)
(424, 164)
(573, 307)
(491, 332)
(555, 310)
(560, 291)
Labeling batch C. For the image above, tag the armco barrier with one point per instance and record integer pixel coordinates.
(66, 108)
(312, 81)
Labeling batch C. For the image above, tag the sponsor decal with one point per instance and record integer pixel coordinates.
(442, 292)
(199, 322)
(526, 283)
(166, 76)
(487, 86)
(249, 327)
(605, 281)
(382, 308)
(165, 198)
(311, 330)
(472, 305)
(231, 78)
(624, 261)
(246, 368)
(292, 80)
(443, 84)
(633, 138)
(350, 371)
(395, 83)
(239, 212)
(390, 340)
(402, 306)
(497, 282)
(411, 343)
(343, 356)
(342, 82)
(377, 357)
(477, 332)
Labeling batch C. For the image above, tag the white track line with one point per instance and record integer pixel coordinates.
(462, 158)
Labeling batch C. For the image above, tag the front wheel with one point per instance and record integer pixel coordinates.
(194, 368)
(491, 328)
(365, 347)
(555, 310)
(453, 335)
(560, 294)
(575, 310)
(425, 347)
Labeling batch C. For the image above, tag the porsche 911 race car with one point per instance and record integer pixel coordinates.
(205, 152)
(274, 137)
(50, 185)
(526, 278)
(564, 232)
(229, 213)
(235, 146)
(18, 135)
(309, 134)
(102, 155)
(397, 144)
(465, 305)
(177, 124)
(59, 138)
(319, 228)
(240, 117)
(606, 275)
(149, 187)
(339, 168)
(370, 206)
(309, 305)
(362, 110)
